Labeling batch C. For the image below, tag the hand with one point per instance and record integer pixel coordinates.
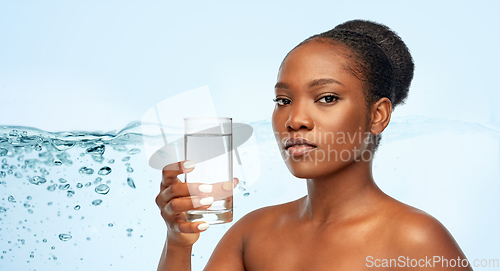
(176, 197)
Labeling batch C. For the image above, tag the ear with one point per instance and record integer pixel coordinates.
(380, 114)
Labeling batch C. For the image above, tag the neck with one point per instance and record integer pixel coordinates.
(346, 194)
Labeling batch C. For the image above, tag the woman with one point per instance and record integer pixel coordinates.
(335, 95)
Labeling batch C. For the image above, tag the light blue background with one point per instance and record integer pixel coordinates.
(97, 65)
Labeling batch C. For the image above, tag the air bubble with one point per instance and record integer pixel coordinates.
(97, 158)
(65, 237)
(86, 171)
(38, 147)
(64, 157)
(52, 187)
(130, 182)
(37, 180)
(97, 150)
(104, 171)
(102, 189)
(133, 151)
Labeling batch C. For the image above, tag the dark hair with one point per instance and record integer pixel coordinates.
(377, 56)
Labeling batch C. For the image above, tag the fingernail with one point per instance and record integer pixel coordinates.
(207, 201)
(228, 186)
(205, 188)
(203, 226)
(189, 164)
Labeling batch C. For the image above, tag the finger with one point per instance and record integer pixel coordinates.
(229, 186)
(191, 227)
(223, 190)
(228, 202)
(179, 189)
(171, 171)
(179, 205)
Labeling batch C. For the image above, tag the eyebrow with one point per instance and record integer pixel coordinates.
(313, 83)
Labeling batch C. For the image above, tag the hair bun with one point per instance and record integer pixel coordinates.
(394, 48)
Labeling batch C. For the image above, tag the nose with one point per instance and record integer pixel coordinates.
(299, 118)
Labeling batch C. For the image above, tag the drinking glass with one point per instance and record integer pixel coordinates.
(209, 143)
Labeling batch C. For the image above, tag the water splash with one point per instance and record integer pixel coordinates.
(63, 170)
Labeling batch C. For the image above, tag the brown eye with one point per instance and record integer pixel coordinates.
(282, 101)
(328, 99)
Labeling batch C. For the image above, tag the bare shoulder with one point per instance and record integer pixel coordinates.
(266, 216)
(229, 253)
(418, 233)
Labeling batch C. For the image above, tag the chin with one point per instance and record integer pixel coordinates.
(308, 169)
(311, 168)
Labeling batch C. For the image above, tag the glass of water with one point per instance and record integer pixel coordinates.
(209, 143)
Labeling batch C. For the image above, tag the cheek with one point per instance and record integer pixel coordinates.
(344, 130)
(278, 125)
(274, 122)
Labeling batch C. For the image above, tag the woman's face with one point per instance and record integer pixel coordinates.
(319, 101)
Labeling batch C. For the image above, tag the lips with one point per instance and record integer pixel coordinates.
(298, 142)
(297, 146)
